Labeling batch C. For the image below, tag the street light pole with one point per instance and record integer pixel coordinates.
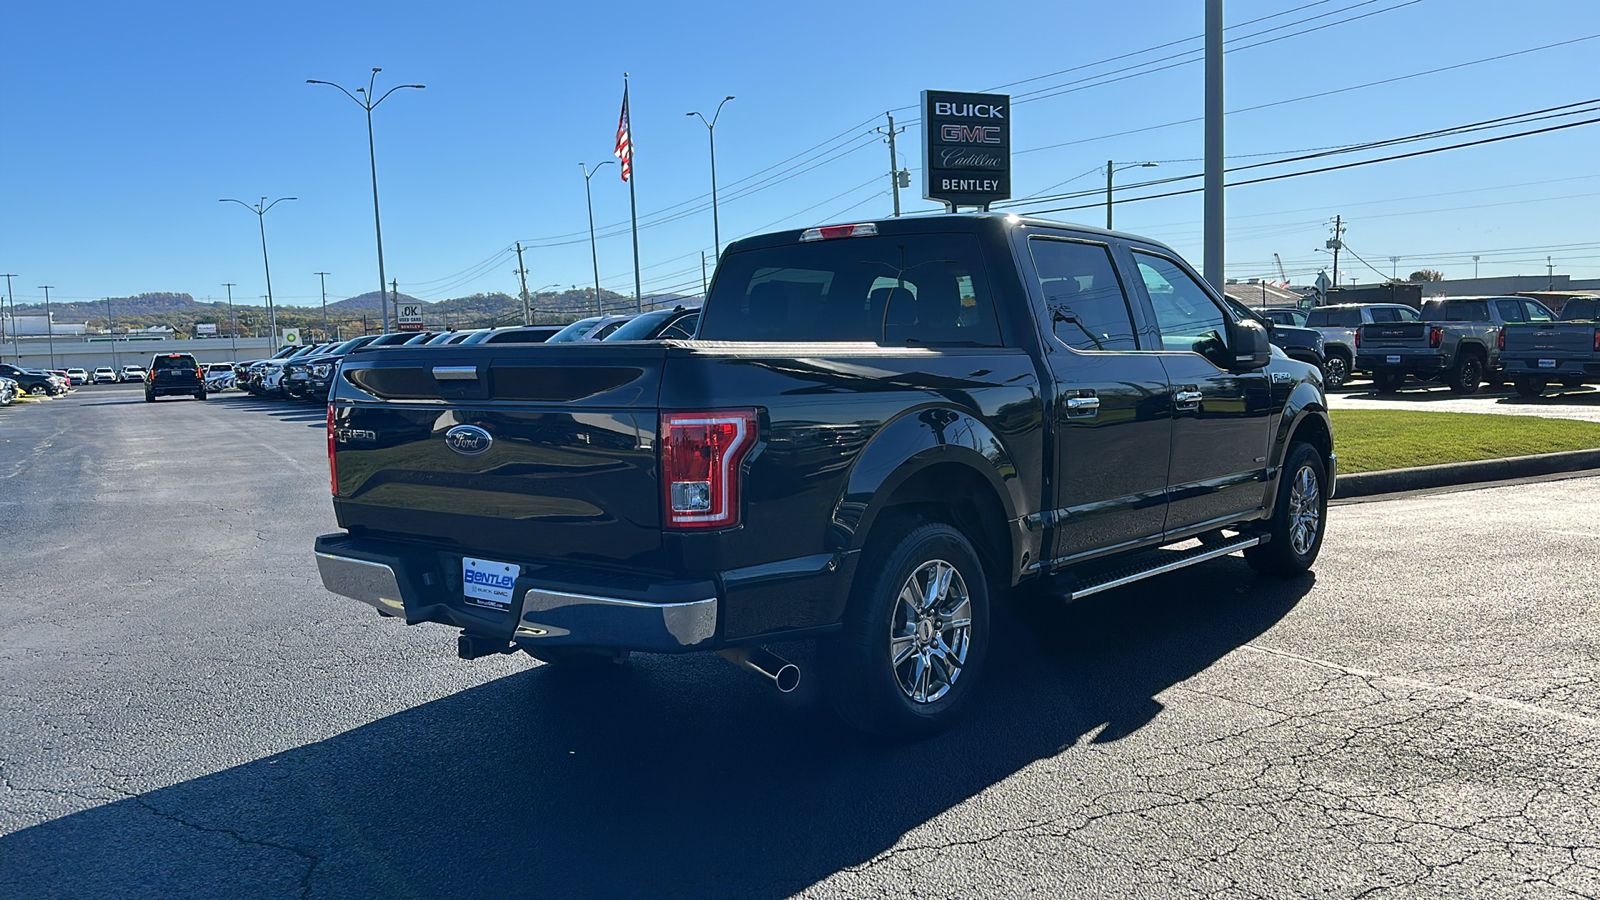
(1111, 169)
(16, 348)
(111, 331)
(369, 104)
(261, 209)
(594, 256)
(49, 326)
(233, 322)
(711, 131)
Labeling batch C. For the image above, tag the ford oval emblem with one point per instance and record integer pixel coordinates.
(468, 440)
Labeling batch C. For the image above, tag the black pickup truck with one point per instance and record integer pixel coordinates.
(878, 430)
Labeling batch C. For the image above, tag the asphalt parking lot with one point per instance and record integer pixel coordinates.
(187, 713)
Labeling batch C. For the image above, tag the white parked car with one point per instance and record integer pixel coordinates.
(133, 373)
(220, 377)
(77, 376)
(105, 375)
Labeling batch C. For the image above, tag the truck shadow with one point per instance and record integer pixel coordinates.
(313, 414)
(667, 777)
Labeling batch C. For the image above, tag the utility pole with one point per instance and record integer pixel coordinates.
(324, 277)
(1215, 257)
(522, 273)
(1474, 267)
(233, 323)
(1551, 266)
(1394, 268)
(49, 326)
(394, 291)
(894, 161)
(1336, 243)
(16, 348)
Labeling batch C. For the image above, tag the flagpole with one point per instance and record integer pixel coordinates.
(633, 205)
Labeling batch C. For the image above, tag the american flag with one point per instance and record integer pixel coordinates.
(624, 149)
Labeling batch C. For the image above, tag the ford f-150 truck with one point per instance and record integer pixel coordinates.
(878, 430)
(1542, 351)
(1457, 341)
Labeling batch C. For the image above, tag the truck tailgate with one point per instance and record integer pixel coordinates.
(1554, 337)
(531, 452)
(1384, 335)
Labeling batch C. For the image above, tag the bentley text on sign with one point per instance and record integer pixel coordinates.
(966, 147)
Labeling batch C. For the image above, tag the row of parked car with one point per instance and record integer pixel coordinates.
(306, 373)
(1464, 342)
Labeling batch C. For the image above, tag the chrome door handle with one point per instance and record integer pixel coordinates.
(455, 373)
(1082, 407)
(1186, 399)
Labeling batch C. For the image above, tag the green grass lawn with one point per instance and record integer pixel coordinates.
(1371, 439)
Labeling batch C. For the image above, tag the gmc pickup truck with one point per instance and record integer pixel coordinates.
(878, 430)
(1457, 341)
(1542, 351)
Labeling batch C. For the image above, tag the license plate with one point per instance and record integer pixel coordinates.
(1547, 364)
(1393, 359)
(488, 582)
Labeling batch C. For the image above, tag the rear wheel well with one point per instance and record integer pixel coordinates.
(958, 496)
(1339, 351)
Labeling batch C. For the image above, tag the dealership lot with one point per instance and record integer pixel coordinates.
(188, 713)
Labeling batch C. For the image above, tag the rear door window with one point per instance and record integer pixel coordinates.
(1385, 314)
(1537, 312)
(1085, 300)
(182, 361)
(904, 290)
(1510, 310)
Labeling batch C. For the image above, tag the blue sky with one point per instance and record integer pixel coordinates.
(121, 125)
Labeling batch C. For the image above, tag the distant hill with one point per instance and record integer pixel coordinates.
(350, 316)
(371, 301)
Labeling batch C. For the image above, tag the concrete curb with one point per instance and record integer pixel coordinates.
(1394, 481)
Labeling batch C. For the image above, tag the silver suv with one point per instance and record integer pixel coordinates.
(1337, 324)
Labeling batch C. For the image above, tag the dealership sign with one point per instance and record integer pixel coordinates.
(966, 147)
(410, 316)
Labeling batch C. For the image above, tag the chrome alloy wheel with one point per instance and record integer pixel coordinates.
(931, 632)
(1305, 510)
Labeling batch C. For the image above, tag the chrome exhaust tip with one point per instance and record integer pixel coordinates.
(783, 674)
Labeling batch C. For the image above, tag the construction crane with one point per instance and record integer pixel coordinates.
(1285, 275)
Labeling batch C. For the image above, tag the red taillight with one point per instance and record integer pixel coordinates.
(1597, 340)
(1500, 340)
(333, 465)
(1358, 339)
(1435, 336)
(701, 453)
(199, 373)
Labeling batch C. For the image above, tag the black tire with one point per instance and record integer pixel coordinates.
(1573, 382)
(1290, 552)
(1467, 375)
(1388, 381)
(1528, 387)
(200, 395)
(863, 683)
(149, 397)
(1335, 372)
